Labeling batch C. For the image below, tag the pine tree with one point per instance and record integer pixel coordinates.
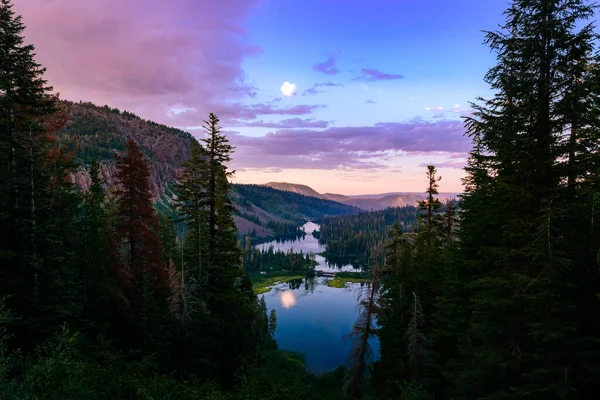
(526, 337)
(191, 204)
(60, 288)
(429, 225)
(398, 279)
(142, 279)
(221, 331)
(28, 207)
(94, 262)
(362, 331)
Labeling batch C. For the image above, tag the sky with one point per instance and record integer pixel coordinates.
(346, 96)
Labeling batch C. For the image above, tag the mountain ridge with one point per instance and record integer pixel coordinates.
(364, 201)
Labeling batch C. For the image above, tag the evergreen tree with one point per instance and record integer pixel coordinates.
(191, 204)
(527, 336)
(94, 262)
(142, 279)
(229, 295)
(429, 221)
(362, 331)
(30, 179)
(222, 331)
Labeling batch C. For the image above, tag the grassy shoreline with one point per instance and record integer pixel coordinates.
(340, 282)
(261, 283)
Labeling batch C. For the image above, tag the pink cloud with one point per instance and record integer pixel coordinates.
(143, 55)
(291, 123)
(351, 148)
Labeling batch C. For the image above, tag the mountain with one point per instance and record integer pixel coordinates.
(336, 197)
(286, 206)
(295, 188)
(101, 132)
(363, 201)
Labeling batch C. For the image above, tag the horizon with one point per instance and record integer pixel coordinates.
(353, 102)
(350, 194)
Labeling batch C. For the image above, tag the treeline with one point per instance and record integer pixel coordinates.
(500, 307)
(269, 260)
(354, 237)
(94, 132)
(291, 206)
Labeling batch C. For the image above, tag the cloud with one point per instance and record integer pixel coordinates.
(230, 114)
(327, 67)
(287, 89)
(350, 148)
(314, 89)
(371, 102)
(145, 56)
(368, 74)
(291, 123)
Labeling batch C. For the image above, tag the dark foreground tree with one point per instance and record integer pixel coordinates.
(527, 229)
(142, 281)
(220, 307)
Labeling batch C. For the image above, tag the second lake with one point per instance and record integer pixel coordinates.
(313, 318)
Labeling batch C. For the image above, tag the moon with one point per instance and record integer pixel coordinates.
(288, 89)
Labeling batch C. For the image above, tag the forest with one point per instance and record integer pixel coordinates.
(292, 206)
(354, 237)
(490, 298)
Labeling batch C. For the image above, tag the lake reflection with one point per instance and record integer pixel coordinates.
(308, 244)
(288, 299)
(313, 318)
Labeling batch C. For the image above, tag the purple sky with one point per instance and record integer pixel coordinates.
(347, 96)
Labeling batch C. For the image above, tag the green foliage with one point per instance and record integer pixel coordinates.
(270, 260)
(520, 293)
(354, 237)
(291, 206)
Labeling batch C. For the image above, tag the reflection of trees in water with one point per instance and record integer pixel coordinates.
(340, 262)
(295, 283)
(309, 284)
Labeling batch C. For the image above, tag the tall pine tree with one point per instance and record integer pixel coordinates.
(34, 192)
(527, 336)
(141, 277)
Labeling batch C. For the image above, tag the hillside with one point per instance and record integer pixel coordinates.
(365, 201)
(101, 132)
(296, 188)
(336, 197)
(286, 205)
(393, 200)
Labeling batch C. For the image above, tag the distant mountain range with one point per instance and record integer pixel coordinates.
(364, 201)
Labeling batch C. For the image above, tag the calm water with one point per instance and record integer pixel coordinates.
(307, 244)
(313, 318)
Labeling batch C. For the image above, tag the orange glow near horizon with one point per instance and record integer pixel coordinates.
(410, 179)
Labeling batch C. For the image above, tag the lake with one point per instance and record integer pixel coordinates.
(313, 318)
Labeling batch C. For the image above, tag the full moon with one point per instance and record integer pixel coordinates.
(287, 89)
